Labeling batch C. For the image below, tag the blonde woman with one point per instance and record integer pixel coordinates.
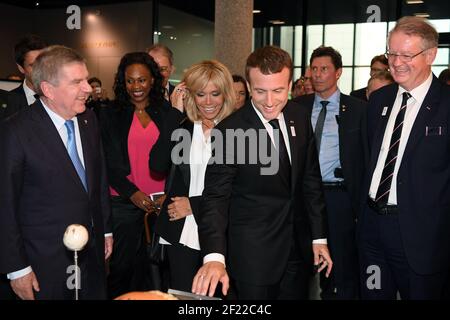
(200, 101)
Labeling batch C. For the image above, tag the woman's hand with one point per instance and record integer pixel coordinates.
(179, 208)
(178, 95)
(142, 201)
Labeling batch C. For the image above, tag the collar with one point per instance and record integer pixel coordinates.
(57, 120)
(280, 116)
(333, 99)
(28, 91)
(419, 92)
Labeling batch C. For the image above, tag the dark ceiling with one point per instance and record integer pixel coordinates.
(293, 12)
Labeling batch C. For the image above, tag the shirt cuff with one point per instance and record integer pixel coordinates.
(320, 241)
(214, 257)
(108, 234)
(19, 274)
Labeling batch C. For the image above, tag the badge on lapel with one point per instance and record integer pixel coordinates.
(385, 110)
(291, 125)
(85, 121)
(343, 108)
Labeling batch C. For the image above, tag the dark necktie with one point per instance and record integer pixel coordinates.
(73, 153)
(285, 164)
(319, 124)
(384, 187)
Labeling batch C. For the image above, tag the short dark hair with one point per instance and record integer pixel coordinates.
(94, 79)
(323, 51)
(444, 76)
(238, 78)
(162, 48)
(26, 44)
(268, 60)
(381, 59)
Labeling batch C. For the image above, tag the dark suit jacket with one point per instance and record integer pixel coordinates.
(423, 188)
(178, 181)
(115, 123)
(251, 218)
(353, 145)
(17, 100)
(41, 194)
(360, 94)
(3, 103)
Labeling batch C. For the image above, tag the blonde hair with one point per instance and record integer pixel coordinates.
(197, 78)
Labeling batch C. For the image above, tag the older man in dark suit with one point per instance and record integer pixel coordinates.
(52, 175)
(339, 123)
(404, 236)
(269, 226)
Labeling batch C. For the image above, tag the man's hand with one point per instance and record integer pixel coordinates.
(108, 246)
(208, 276)
(322, 258)
(23, 286)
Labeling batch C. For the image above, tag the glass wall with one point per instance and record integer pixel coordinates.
(358, 43)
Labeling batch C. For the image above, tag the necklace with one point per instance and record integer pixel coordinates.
(140, 111)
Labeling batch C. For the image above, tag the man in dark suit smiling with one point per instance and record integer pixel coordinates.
(268, 229)
(52, 175)
(404, 228)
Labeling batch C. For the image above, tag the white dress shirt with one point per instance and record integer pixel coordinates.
(413, 106)
(200, 152)
(29, 94)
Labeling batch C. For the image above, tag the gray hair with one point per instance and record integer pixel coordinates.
(49, 63)
(417, 26)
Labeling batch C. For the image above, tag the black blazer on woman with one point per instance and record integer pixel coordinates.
(115, 122)
(178, 181)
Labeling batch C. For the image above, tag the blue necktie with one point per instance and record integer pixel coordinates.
(73, 153)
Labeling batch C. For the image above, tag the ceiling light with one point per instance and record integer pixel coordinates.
(414, 1)
(277, 22)
(422, 14)
(256, 11)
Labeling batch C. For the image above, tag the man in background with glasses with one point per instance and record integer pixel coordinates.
(404, 238)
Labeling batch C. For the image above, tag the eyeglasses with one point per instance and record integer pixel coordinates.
(402, 57)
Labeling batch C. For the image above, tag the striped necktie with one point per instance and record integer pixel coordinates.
(384, 187)
(73, 153)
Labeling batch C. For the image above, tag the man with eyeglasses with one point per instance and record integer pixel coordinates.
(378, 64)
(163, 56)
(404, 238)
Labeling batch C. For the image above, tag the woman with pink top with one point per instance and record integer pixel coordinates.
(130, 128)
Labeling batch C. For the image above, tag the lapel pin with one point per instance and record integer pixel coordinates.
(344, 107)
(85, 121)
(428, 108)
(385, 109)
(293, 131)
(291, 121)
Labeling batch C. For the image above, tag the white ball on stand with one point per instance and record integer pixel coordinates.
(75, 237)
